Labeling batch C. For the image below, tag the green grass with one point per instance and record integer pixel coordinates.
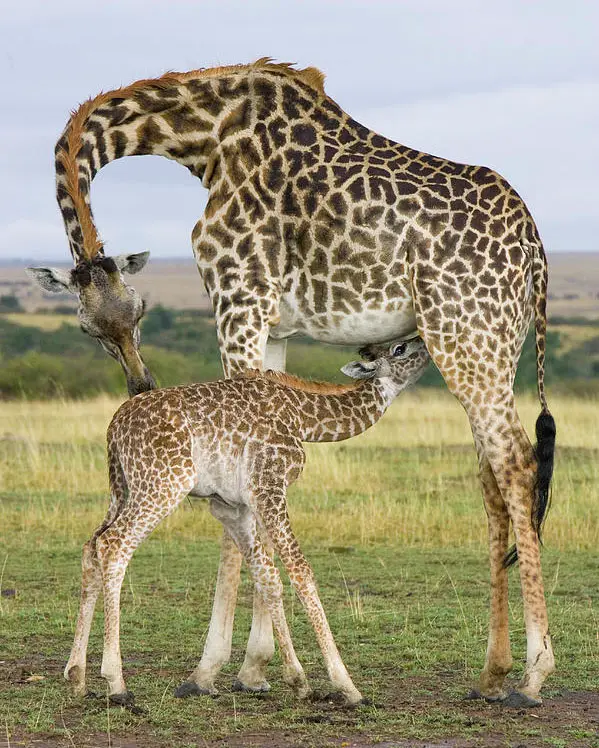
(394, 526)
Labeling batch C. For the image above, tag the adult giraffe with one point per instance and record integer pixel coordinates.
(316, 224)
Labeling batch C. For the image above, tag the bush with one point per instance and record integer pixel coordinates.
(10, 303)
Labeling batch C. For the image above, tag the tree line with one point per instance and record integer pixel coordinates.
(180, 346)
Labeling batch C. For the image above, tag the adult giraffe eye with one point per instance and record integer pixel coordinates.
(399, 349)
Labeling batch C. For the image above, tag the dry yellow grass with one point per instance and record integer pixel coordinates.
(47, 322)
(409, 480)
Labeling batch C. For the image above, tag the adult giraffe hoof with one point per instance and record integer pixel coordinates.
(238, 685)
(122, 699)
(127, 701)
(352, 702)
(519, 700)
(190, 688)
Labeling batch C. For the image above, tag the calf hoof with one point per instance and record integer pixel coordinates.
(303, 691)
(190, 688)
(355, 699)
(519, 700)
(76, 679)
(263, 687)
(475, 694)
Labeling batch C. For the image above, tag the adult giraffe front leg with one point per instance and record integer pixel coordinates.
(243, 321)
(261, 646)
(217, 649)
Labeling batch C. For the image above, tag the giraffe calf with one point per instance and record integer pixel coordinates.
(238, 443)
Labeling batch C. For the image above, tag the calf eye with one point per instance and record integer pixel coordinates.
(399, 349)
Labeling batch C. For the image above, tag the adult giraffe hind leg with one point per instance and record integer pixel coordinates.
(511, 459)
(513, 462)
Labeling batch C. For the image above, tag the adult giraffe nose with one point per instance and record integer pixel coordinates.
(139, 377)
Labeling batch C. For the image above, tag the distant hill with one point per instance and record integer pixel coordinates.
(175, 283)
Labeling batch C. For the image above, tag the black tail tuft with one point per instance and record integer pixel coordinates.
(545, 449)
(510, 557)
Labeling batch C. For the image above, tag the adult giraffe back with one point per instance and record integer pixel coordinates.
(316, 224)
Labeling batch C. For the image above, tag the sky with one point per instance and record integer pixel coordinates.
(512, 85)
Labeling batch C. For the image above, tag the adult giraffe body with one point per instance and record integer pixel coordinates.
(316, 224)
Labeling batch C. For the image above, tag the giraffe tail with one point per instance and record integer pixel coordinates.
(119, 491)
(545, 425)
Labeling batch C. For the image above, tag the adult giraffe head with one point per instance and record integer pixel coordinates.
(109, 309)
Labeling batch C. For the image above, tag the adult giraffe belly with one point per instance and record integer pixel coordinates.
(357, 323)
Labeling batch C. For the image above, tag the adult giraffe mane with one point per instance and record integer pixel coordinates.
(297, 383)
(68, 153)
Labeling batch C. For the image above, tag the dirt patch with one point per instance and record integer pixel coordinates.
(570, 718)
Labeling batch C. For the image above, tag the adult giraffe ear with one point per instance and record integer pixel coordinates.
(56, 280)
(360, 369)
(131, 263)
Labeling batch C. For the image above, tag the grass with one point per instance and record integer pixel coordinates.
(393, 524)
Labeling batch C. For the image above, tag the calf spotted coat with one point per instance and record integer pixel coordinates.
(238, 443)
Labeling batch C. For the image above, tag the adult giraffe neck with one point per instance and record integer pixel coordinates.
(155, 117)
(182, 116)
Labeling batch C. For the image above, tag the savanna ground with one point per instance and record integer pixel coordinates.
(393, 524)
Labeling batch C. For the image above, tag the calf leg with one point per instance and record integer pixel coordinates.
(271, 509)
(241, 524)
(115, 547)
(91, 584)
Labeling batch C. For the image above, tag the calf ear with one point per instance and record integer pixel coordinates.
(359, 369)
(56, 280)
(131, 263)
